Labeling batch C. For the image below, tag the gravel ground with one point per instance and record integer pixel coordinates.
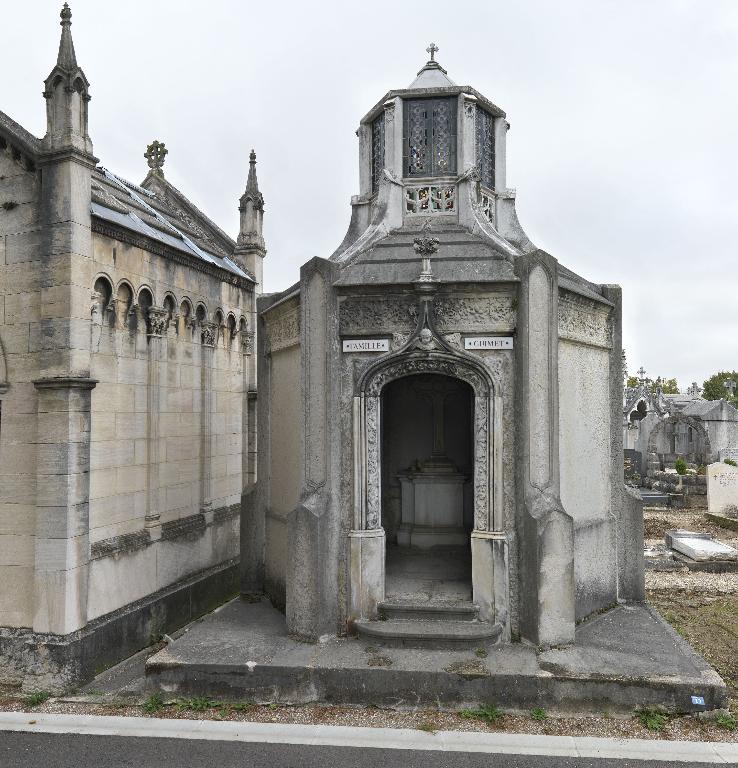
(658, 520)
(686, 728)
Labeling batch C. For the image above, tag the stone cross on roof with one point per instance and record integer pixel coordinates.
(641, 373)
(155, 154)
(730, 385)
(432, 49)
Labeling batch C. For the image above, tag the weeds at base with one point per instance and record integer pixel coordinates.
(487, 713)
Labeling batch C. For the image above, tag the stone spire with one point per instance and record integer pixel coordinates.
(250, 248)
(66, 91)
(67, 59)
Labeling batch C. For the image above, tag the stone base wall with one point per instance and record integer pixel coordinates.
(57, 662)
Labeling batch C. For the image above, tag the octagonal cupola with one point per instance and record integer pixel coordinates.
(433, 151)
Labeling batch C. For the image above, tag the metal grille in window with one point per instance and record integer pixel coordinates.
(377, 151)
(430, 137)
(486, 147)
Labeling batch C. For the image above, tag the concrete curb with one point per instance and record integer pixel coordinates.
(377, 738)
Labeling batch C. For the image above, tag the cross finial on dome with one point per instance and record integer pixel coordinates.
(432, 49)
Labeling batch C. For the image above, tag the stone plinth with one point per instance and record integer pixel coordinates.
(722, 488)
(432, 507)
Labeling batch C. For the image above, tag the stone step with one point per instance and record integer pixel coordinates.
(431, 633)
(461, 611)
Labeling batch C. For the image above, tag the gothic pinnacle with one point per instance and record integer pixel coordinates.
(67, 58)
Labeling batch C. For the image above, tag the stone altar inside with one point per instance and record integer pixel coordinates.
(432, 491)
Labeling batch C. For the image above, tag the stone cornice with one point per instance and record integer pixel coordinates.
(152, 246)
(65, 382)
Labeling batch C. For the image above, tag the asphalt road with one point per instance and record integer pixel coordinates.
(44, 750)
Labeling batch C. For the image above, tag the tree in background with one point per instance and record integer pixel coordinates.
(668, 386)
(722, 385)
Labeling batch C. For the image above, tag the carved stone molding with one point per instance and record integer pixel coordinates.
(283, 327)
(156, 321)
(209, 333)
(375, 315)
(584, 321)
(420, 363)
(247, 342)
(475, 313)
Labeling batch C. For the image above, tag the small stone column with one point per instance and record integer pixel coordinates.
(209, 335)
(62, 504)
(156, 321)
(546, 531)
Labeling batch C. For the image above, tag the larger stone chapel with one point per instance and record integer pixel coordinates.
(454, 448)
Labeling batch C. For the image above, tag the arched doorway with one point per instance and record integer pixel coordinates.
(427, 506)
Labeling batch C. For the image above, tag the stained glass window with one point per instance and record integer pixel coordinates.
(430, 137)
(486, 147)
(377, 151)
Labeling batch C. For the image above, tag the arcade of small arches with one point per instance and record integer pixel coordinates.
(135, 309)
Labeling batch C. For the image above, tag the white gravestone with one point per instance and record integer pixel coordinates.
(704, 549)
(722, 487)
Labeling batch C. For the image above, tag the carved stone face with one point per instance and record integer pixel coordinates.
(426, 336)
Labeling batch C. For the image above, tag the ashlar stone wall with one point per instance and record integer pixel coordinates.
(20, 297)
(167, 426)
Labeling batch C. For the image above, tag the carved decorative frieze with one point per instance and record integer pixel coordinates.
(283, 327)
(584, 321)
(475, 313)
(374, 315)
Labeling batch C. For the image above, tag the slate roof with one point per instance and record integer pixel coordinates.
(164, 214)
(712, 410)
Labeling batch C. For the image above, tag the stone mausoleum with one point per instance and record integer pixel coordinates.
(127, 386)
(440, 407)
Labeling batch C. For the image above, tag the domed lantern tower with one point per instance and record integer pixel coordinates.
(455, 444)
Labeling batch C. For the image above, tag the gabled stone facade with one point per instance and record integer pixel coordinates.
(438, 348)
(127, 387)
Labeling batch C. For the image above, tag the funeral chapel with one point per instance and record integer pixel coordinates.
(440, 405)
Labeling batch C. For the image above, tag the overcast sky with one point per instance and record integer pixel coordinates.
(623, 144)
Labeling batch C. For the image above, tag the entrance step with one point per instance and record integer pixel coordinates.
(416, 611)
(429, 633)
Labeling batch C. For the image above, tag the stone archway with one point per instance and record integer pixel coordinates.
(488, 541)
(658, 433)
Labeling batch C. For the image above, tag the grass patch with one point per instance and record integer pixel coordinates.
(154, 703)
(652, 719)
(488, 713)
(481, 652)
(242, 706)
(726, 721)
(196, 704)
(36, 698)
(539, 714)
(427, 727)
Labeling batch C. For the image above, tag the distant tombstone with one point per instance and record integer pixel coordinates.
(722, 487)
(632, 462)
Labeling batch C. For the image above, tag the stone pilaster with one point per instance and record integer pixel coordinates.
(62, 504)
(209, 336)
(313, 526)
(156, 322)
(546, 532)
